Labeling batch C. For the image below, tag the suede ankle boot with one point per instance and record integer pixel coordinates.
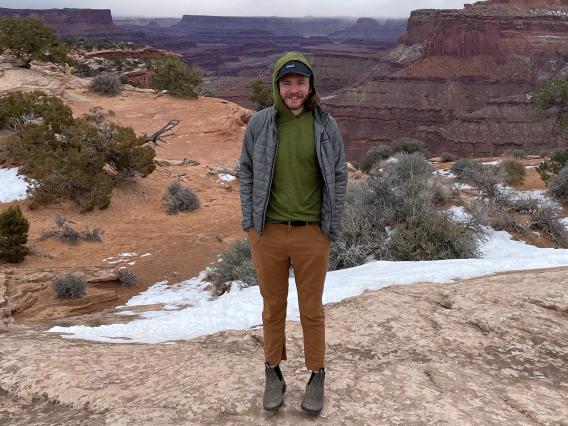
(274, 388)
(313, 399)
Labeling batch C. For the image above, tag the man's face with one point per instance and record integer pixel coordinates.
(294, 90)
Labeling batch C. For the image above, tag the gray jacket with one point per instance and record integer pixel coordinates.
(258, 158)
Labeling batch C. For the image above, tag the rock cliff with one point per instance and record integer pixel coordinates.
(467, 85)
(70, 22)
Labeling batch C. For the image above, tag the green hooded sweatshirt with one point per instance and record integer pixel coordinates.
(296, 192)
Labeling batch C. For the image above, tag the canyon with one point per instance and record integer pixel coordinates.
(461, 81)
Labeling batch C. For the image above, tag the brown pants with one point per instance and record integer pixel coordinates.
(306, 248)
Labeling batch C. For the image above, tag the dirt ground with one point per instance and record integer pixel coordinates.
(181, 245)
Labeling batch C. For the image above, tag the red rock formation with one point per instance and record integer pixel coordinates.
(469, 91)
(146, 53)
(70, 22)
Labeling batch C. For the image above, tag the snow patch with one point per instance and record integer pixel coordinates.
(13, 187)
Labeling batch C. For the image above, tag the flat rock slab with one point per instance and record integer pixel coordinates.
(488, 351)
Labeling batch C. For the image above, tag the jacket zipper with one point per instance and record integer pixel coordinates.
(271, 177)
(323, 171)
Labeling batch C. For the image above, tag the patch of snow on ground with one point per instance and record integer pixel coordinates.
(12, 186)
(241, 308)
(226, 177)
(492, 163)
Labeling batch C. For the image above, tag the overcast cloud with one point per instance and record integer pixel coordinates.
(176, 8)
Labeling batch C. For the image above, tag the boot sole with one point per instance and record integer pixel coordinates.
(277, 407)
(307, 410)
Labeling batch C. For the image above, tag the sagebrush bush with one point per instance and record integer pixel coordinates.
(514, 171)
(446, 157)
(65, 232)
(14, 229)
(180, 199)
(552, 166)
(79, 159)
(486, 178)
(107, 84)
(398, 215)
(126, 277)
(558, 185)
(235, 263)
(409, 146)
(69, 286)
(374, 155)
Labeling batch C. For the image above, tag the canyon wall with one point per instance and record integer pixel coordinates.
(70, 22)
(468, 89)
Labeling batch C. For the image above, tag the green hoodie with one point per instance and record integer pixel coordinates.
(296, 191)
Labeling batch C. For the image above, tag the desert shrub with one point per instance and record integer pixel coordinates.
(514, 171)
(407, 167)
(515, 153)
(30, 39)
(398, 216)
(431, 237)
(73, 158)
(65, 232)
(261, 94)
(107, 84)
(486, 178)
(14, 229)
(446, 157)
(374, 155)
(409, 146)
(552, 166)
(173, 75)
(180, 199)
(19, 109)
(95, 234)
(558, 185)
(552, 101)
(69, 286)
(235, 263)
(126, 277)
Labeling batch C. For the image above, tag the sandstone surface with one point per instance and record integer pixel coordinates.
(489, 351)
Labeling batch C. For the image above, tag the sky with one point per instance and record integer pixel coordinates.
(292, 8)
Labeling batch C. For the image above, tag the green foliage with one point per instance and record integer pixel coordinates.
(261, 94)
(552, 166)
(173, 75)
(107, 84)
(14, 229)
(408, 146)
(29, 39)
(552, 101)
(74, 158)
(515, 171)
(19, 109)
(558, 186)
(446, 157)
(235, 264)
(374, 155)
(399, 215)
(70, 286)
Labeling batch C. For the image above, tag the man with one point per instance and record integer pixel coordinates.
(293, 179)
